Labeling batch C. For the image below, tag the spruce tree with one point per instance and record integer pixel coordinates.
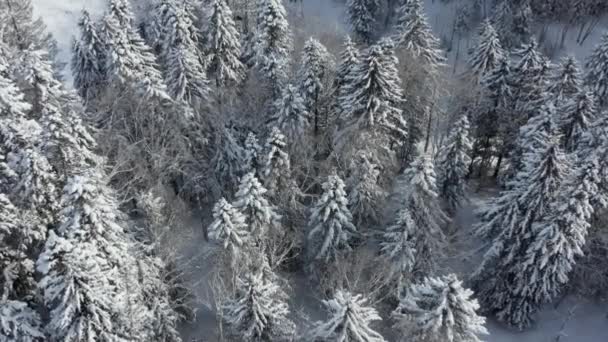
(253, 154)
(398, 244)
(259, 310)
(290, 114)
(227, 162)
(576, 116)
(566, 81)
(440, 309)
(597, 71)
(375, 96)
(365, 194)
(349, 59)
(260, 216)
(415, 35)
(331, 227)
(315, 64)
(453, 162)
(488, 54)
(512, 20)
(223, 45)
(534, 193)
(229, 228)
(350, 320)
(88, 60)
(362, 18)
(273, 43)
(276, 170)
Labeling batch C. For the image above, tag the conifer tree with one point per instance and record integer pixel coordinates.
(454, 159)
(253, 154)
(259, 310)
(350, 319)
(375, 95)
(223, 45)
(577, 115)
(291, 115)
(315, 64)
(88, 60)
(488, 54)
(440, 309)
(533, 195)
(349, 59)
(260, 216)
(419, 197)
(398, 245)
(415, 35)
(273, 43)
(362, 18)
(365, 195)
(512, 20)
(229, 228)
(228, 158)
(597, 71)
(276, 170)
(331, 227)
(566, 81)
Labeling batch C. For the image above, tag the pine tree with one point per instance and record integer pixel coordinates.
(415, 35)
(440, 309)
(331, 228)
(362, 18)
(223, 46)
(88, 59)
(375, 95)
(566, 82)
(512, 20)
(597, 71)
(276, 170)
(228, 158)
(315, 64)
(259, 311)
(185, 73)
(273, 43)
(535, 192)
(453, 162)
(19, 321)
(291, 115)
(398, 244)
(349, 59)
(365, 195)
(577, 115)
(349, 320)
(260, 216)
(253, 154)
(229, 228)
(488, 54)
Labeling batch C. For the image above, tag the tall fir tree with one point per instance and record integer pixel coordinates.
(362, 18)
(576, 116)
(276, 170)
(399, 245)
(453, 162)
(291, 115)
(229, 228)
(440, 309)
(331, 227)
(566, 81)
(596, 76)
(253, 154)
(349, 59)
(513, 20)
(88, 59)
(487, 55)
(365, 194)
(315, 67)
(350, 320)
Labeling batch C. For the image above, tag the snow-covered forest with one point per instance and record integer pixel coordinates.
(304, 170)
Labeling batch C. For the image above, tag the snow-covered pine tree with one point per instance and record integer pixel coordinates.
(566, 81)
(227, 162)
(419, 197)
(316, 61)
(533, 195)
(260, 216)
(88, 59)
(453, 163)
(276, 170)
(229, 228)
(365, 194)
(362, 18)
(253, 154)
(530, 77)
(512, 20)
(440, 309)
(222, 45)
(273, 44)
(596, 66)
(331, 227)
(19, 321)
(398, 245)
(415, 35)
(290, 114)
(373, 97)
(576, 116)
(349, 59)
(177, 44)
(350, 319)
(259, 310)
(487, 55)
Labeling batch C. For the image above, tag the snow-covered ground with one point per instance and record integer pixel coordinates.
(576, 320)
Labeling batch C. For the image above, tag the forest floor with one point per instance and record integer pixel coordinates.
(573, 319)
